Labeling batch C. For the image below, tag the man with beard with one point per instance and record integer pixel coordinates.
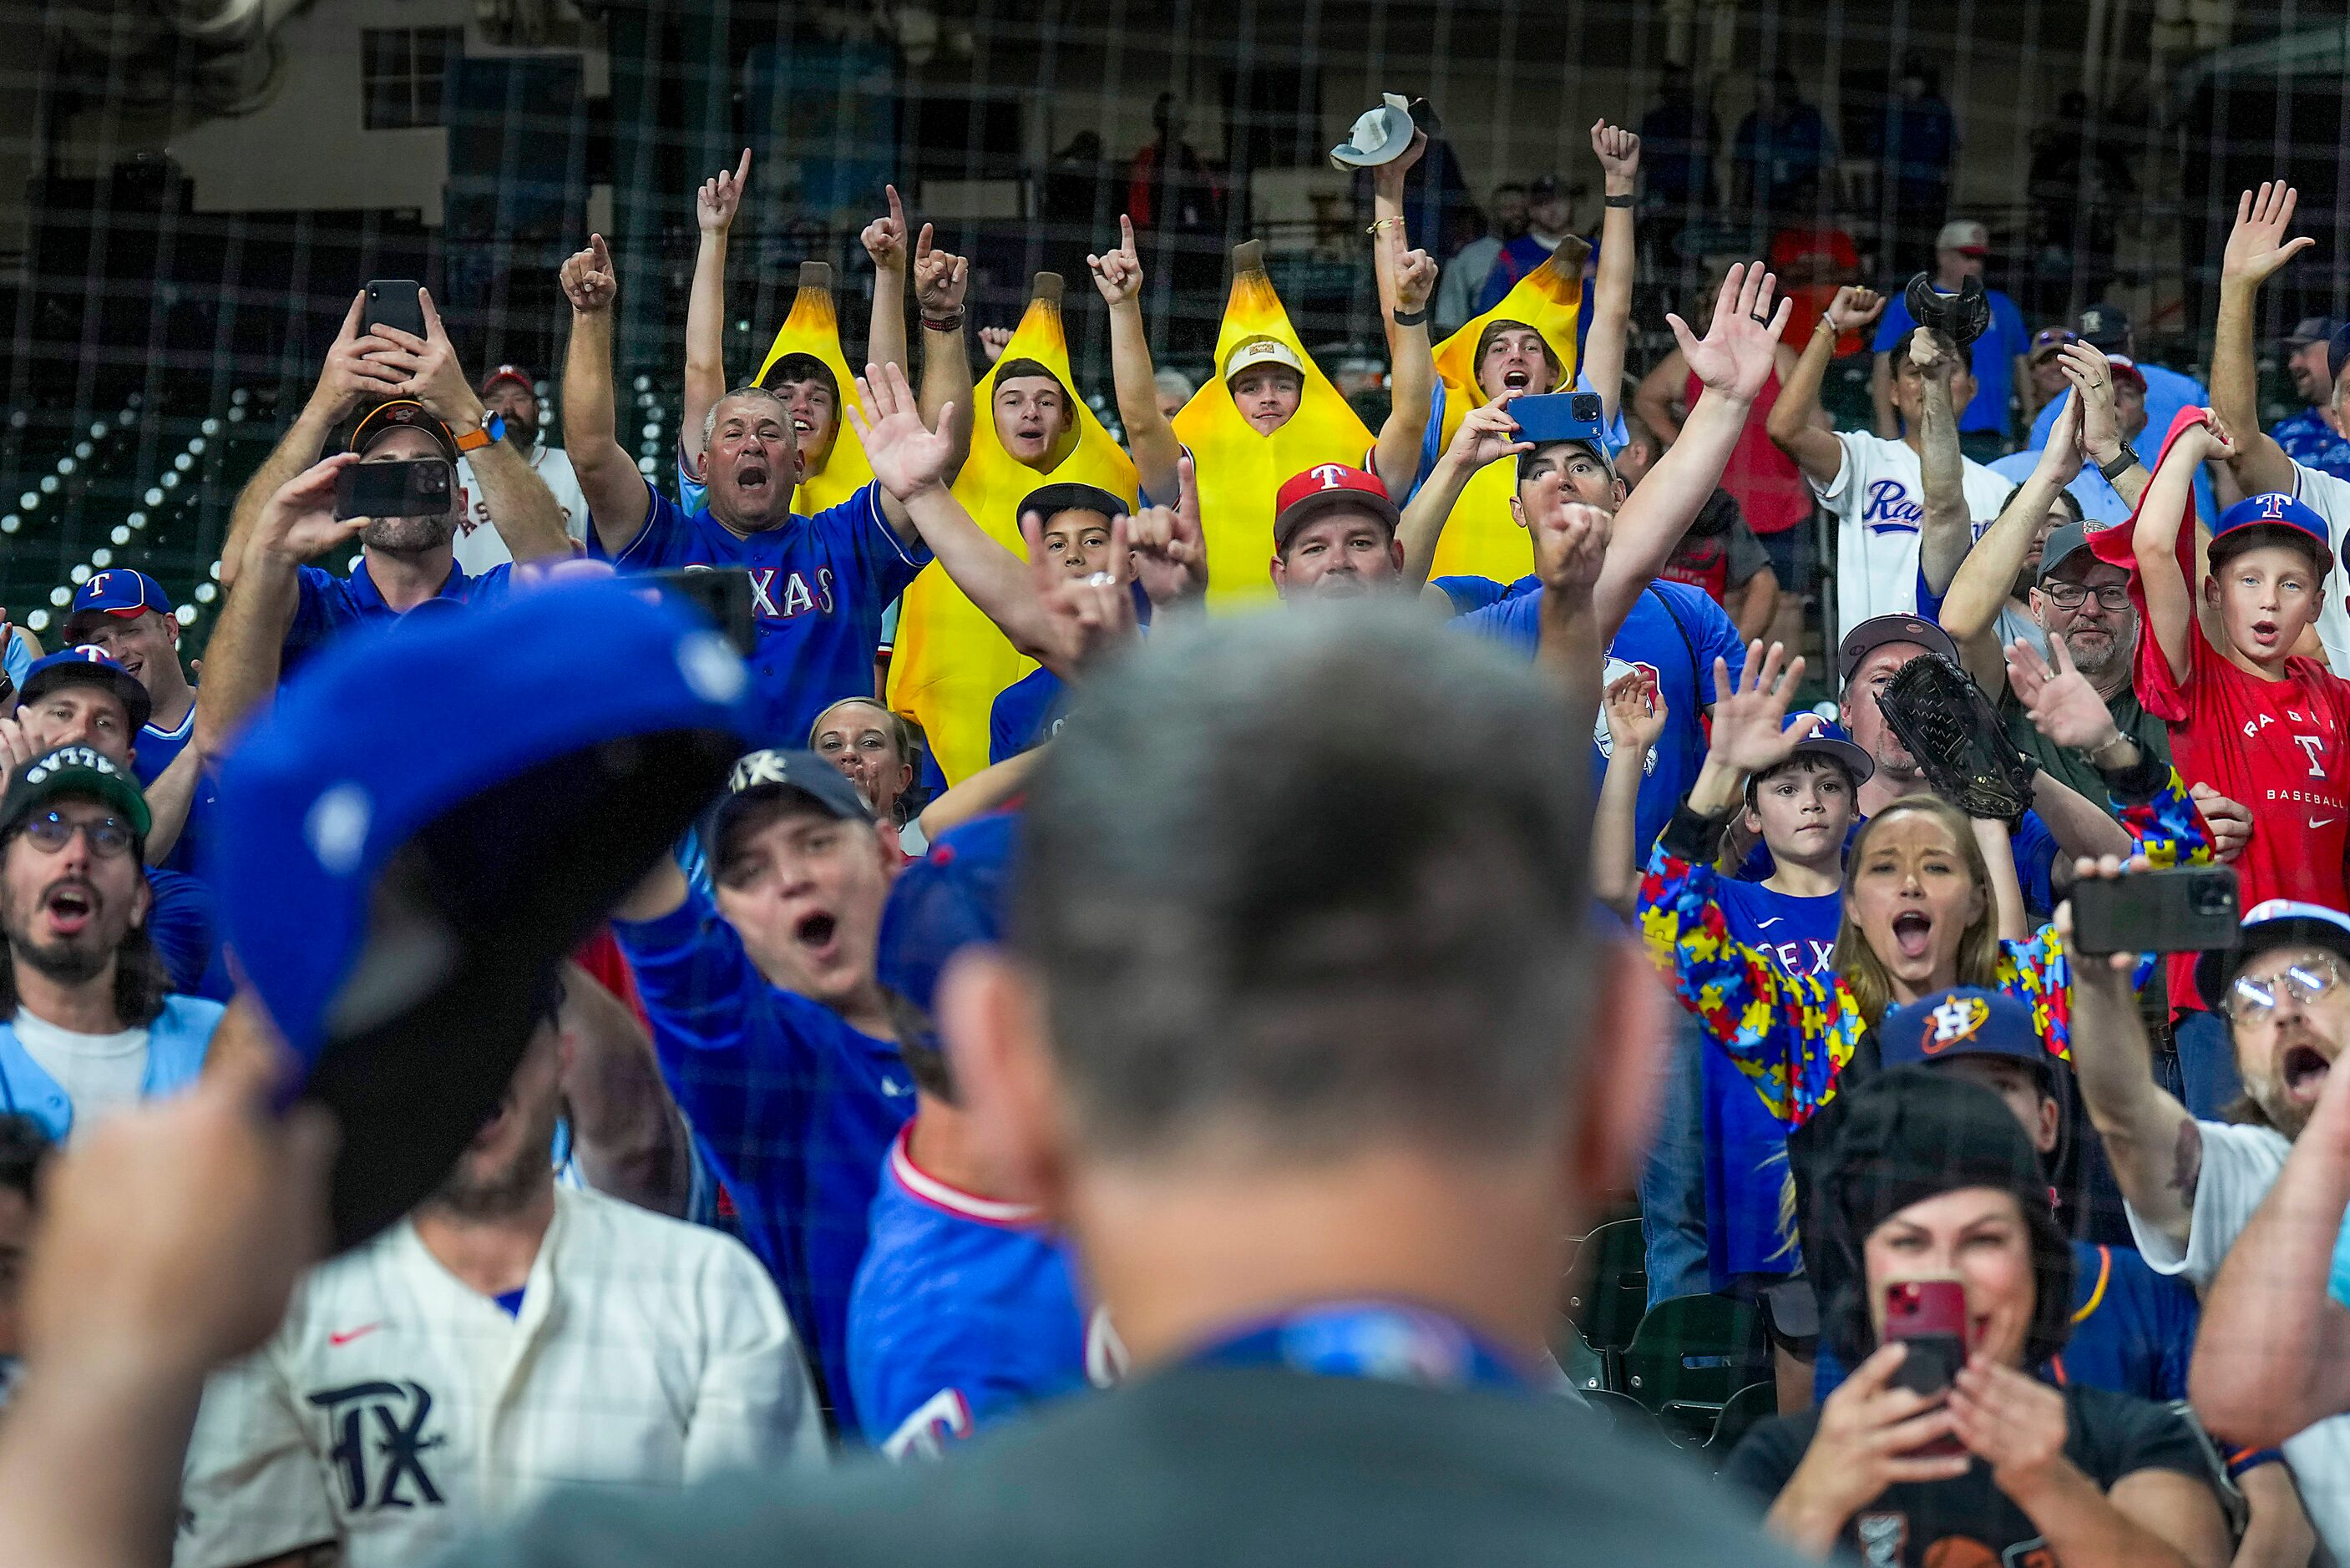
(510, 1336)
(91, 1028)
(510, 398)
(2268, 1364)
(419, 404)
(2309, 437)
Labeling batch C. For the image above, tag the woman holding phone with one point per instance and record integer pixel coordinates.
(1933, 1196)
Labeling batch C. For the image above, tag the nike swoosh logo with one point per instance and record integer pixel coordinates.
(2323, 821)
(1766, 925)
(349, 1335)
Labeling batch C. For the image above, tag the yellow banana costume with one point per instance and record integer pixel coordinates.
(949, 662)
(813, 328)
(1238, 471)
(1482, 539)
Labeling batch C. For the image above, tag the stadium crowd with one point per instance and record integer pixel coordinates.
(996, 991)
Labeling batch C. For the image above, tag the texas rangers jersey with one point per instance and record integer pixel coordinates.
(818, 586)
(396, 1408)
(964, 1310)
(1878, 501)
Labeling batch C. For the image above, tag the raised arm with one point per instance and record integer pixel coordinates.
(1149, 437)
(1412, 385)
(2091, 375)
(1949, 527)
(1970, 609)
(1487, 434)
(714, 206)
(1732, 362)
(1570, 542)
(991, 789)
(2170, 501)
(627, 1133)
(1618, 151)
(2257, 250)
(351, 376)
(1636, 713)
(885, 241)
(1654, 398)
(1998, 846)
(1794, 423)
(941, 280)
(169, 798)
(618, 500)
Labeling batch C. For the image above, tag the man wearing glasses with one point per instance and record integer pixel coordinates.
(2265, 1367)
(89, 1027)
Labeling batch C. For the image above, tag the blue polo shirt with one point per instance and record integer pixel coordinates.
(328, 605)
(158, 749)
(1991, 359)
(2167, 392)
(818, 589)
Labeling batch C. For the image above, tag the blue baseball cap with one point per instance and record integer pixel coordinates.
(2267, 926)
(2257, 520)
(116, 591)
(1828, 741)
(951, 898)
(429, 819)
(1964, 1021)
(87, 666)
(771, 774)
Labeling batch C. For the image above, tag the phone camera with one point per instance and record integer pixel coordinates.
(2215, 899)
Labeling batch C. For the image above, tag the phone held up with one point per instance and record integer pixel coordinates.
(417, 488)
(1929, 1316)
(2189, 908)
(396, 302)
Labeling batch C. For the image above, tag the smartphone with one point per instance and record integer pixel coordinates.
(396, 302)
(721, 593)
(1559, 416)
(419, 487)
(1929, 1316)
(2191, 909)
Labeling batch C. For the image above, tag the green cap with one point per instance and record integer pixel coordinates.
(72, 770)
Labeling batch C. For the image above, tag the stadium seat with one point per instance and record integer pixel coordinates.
(1626, 1414)
(1691, 1356)
(1755, 1402)
(1607, 1285)
(1585, 1367)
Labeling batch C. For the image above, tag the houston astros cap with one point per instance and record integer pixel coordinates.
(951, 898)
(400, 413)
(1964, 1021)
(768, 774)
(429, 819)
(2277, 923)
(1322, 488)
(1879, 630)
(509, 373)
(87, 666)
(72, 770)
(119, 592)
(2271, 517)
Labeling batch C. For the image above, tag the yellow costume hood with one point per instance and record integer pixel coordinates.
(1239, 471)
(949, 662)
(813, 328)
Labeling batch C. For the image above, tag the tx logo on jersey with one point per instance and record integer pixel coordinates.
(777, 595)
(384, 1422)
(1889, 509)
(1956, 1019)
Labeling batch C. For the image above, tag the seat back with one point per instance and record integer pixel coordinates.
(1691, 1354)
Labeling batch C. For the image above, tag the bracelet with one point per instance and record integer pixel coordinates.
(2124, 460)
(1384, 223)
(1619, 200)
(2097, 752)
(1410, 318)
(943, 323)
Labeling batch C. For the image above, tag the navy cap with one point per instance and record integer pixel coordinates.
(118, 591)
(953, 897)
(2256, 520)
(2267, 926)
(428, 820)
(778, 770)
(1965, 1021)
(2107, 326)
(1879, 630)
(2337, 353)
(1075, 497)
(87, 666)
(2312, 329)
(1828, 741)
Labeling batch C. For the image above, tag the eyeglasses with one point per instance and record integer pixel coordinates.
(2073, 596)
(109, 837)
(2249, 998)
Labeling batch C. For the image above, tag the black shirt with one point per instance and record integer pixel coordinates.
(1969, 1520)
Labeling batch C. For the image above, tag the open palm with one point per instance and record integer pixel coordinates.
(905, 456)
(2257, 245)
(1750, 716)
(1738, 351)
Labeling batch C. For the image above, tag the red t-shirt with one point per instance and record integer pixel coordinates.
(1770, 489)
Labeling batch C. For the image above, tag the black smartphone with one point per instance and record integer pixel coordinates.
(396, 302)
(721, 593)
(417, 488)
(2190, 909)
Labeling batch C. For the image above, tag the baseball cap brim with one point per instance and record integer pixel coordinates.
(136, 705)
(1855, 762)
(1877, 630)
(2227, 546)
(1074, 498)
(1306, 508)
(2278, 924)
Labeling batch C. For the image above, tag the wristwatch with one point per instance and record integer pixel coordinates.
(475, 439)
(2123, 461)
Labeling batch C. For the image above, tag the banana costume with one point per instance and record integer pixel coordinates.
(1482, 539)
(813, 328)
(1239, 471)
(949, 663)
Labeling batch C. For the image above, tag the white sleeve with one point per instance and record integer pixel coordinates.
(250, 1489)
(1838, 493)
(2240, 1165)
(756, 1405)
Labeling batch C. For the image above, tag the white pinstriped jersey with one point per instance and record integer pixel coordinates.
(396, 1407)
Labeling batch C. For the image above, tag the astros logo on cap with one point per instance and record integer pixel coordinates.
(1956, 1019)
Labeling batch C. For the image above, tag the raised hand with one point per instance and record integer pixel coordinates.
(1415, 274)
(884, 238)
(2231, 822)
(1934, 354)
(1636, 711)
(1735, 357)
(1118, 274)
(2203, 441)
(1570, 542)
(2060, 459)
(1389, 176)
(587, 278)
(1852, 308)
(430, 371)
(994, 341)
(353, 374)
(2257, 246)
(939, 279)
(298, 522)
(1869, 1432)
(2115, 975)
(905, 456)
(1750, 733)
(720, 194)
(1170, 556)
(2064, 706)
(1617, 149)
(1488, 433)
(1090, 615)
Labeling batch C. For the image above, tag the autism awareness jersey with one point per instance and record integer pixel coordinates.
(818, 588)
(964, 1311)
(1878, 501)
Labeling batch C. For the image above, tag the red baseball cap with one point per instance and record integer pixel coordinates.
(507, 373)
(1323, 486)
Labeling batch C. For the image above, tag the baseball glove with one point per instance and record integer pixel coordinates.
(1951, 728)
(1962, 318)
